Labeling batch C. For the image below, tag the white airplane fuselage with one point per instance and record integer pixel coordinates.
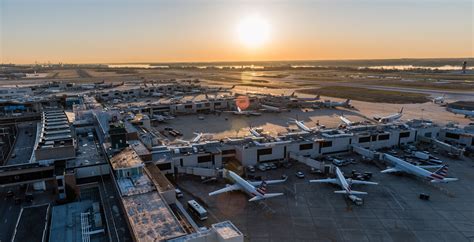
(302, 126)
(390, 118)
(404, 166)
(246, 187)
(346, 121)
(466, 113)
(342, 180)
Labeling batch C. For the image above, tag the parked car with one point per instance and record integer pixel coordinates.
(315, 171)
(337, 162)
(10, 193)
(267, 166)
(251, 168)
(262, 167)
(299, 174)
(272, 165)
(178, 192)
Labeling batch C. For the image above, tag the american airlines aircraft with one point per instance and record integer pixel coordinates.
(330, 104)
(195, 140)
(303, 127)
(246, 112)
(466, 113)
(399, 165)
(346, 121)
(390, 118)
(256, 189)
(439, 99)
(344, 183)
(269, 108)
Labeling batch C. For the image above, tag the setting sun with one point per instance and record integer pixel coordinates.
(253, 31)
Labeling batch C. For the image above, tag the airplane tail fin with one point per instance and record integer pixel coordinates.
(443, 171)
(269, 195)
(262, 188)
(292, 94)
(401, 110)
(350, 192)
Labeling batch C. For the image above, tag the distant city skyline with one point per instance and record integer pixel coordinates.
(106, 31)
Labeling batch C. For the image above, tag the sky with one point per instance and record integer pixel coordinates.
(120, 31)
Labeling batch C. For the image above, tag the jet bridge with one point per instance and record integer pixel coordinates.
(442, 145)
(308, 161)
(366, 152)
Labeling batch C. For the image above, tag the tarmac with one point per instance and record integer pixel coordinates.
(392, 210)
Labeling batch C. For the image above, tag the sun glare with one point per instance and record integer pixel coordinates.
(253, 31)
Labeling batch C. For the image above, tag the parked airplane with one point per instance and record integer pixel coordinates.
(256, 189)
(269, 108)
(344, 183)
(246, 112)
(195, 140)
(294, 97)
(399, 165)
(466, 113)
(346, 121)
(303, 127)
(390, 118)
(439, 99)
(256, 132)
(330, 104)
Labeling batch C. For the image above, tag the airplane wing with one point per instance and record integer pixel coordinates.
(225, 189)
(430, 166)
(269, 182)
(363, 182)
(328, 180)
(445, 180)
(268, 195)
(350, 192)
(391, 170)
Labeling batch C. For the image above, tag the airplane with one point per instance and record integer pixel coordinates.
(303, 127)
(305, 98)
(439, 99)
(330, 104)
(245, 112)
(344, 183)
(390, 118)
(466, 113)
(269, 108)
(400, 165)
(256, 189)
(195, 140)
(346, 121)
(256, 132)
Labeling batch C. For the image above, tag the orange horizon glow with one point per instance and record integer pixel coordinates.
(85, 32)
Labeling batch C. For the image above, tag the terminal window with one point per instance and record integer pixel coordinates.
(164, 166)
(452, 135)
(326, 144)
(384, 137)
(306, 146)
(404, 134)
(264, 151)
(364, 139)
(205, 158)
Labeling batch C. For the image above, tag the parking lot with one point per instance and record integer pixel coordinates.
(392, 210)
